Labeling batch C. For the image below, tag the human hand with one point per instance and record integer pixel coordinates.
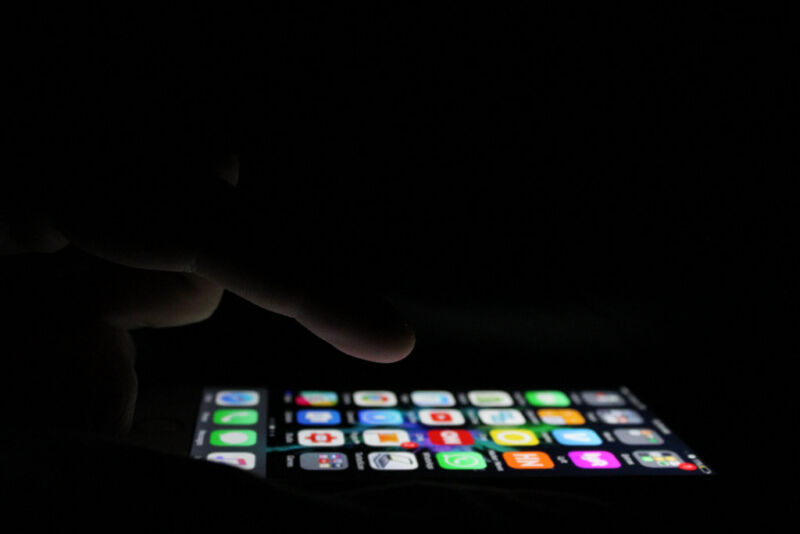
(177, 235)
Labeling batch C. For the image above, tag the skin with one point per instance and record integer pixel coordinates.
(172, 272)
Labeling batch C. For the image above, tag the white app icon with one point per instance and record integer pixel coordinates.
(314, 437)
(433, 398)
(242, 460)
(442, 417)
(392, 461)
(490, 398)
(236, 398)
(374, 398)
(501, 417)
(385, 437)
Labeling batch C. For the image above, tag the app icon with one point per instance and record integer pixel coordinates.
(528, 460)
(442, 417)
(237, 398)
(594, 459)
(233, 438)
(638, 436)
(490, 398)
(323, 461)
(620, 417)
(318, 417)
(501, 417)
(242, 460)
(316, 398)
(577, 436)
(375, 398)
(320, 437)
(380, 417)
(460, 460)
(392, 461)
(433, 399)
(602, 398)
(658, 459)
(385, 437)
(450, 437)
(547, 398)
(235, 417)
(513, 436)
(565, 416)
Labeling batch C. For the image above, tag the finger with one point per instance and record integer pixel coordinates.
(153, 214)
(133, 298)
(204, 227)
(82, 372)
(19, 235)
(102, 358)
(355, 323)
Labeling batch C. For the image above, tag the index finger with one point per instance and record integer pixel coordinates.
(206, 228)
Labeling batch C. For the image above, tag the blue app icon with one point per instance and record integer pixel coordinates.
(380, 417)
(318, 417)
(229, 397)
(577, 436)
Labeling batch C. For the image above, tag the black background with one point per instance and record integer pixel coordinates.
(579, 197)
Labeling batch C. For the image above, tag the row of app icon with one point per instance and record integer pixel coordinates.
(446, 399)
(406, 461)
(487, 416)
(391, 437)
(441, 417)
(430, 417)
(428, 399)
(388, 437)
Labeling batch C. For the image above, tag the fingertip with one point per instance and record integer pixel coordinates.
(33, 235)
(363, 328)
(401, 348)
(387, 350)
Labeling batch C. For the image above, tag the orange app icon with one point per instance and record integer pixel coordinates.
(566, 416)
(528, 460)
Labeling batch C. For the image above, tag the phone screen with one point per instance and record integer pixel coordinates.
(281, 433)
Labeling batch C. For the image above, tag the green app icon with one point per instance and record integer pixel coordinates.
(547, 398)
(233, 438)
(460, 460)
(235, 417)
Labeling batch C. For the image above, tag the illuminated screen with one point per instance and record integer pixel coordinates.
(440, 433)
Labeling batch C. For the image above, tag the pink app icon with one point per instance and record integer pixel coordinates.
(594, 459)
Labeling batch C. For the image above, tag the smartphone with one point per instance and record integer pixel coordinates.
(516, 433)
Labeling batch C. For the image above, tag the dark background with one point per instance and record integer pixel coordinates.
(550, 198)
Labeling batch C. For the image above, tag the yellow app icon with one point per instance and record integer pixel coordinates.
(513, 436)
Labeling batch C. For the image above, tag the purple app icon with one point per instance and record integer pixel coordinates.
(594, 459)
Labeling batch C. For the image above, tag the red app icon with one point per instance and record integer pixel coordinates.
(450, 437)
(321, 437)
